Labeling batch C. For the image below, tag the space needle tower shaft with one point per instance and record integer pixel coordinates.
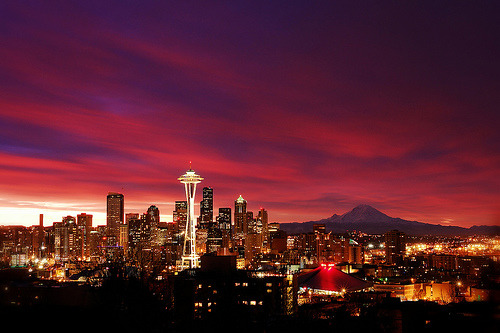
(190, 258)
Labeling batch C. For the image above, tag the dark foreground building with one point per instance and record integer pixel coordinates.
(219, 291)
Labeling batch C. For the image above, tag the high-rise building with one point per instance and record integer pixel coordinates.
(277, 239)
(41, 238)
(153, 216)
(319, 230)
(253, 245)
(180, 216)
(190, 258)
(38, 239)
(250, 224)
(207, 209)
(224, 225)
(134, 230)
(145, 231)
(224, 219)
(84, 225)
(240, 215)
(130, 235)
(153, 220)
(262, 222)
(214, 240)
(66, 238)
(395, 246)
(114, 214)
(124, 234)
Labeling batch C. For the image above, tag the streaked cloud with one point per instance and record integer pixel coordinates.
(306, 110)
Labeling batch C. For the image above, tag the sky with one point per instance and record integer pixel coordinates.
(305, 108)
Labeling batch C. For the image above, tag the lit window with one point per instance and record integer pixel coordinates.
(237, 284)
(269, 284)
(269, 291)
(253, 302)
(245, 284)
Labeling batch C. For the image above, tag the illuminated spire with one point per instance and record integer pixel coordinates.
(190, 177)
(240, 199)
(190, 258)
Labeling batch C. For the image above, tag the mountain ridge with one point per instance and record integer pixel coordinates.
(368, 219)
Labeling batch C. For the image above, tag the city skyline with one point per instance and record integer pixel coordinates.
(305, 110)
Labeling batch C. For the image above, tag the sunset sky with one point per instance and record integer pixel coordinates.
(304, 108)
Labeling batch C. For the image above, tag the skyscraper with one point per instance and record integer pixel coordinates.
(262, 220)
(153, 220)
(39, 241)
(84, 225)
(240, 215)
(224, 225)
(69, 235)
(134, 230)
(180, 215)
(190, 258)
(153, 216)
(114, 214)
(207, 208)
(224, 218)
(395, 246)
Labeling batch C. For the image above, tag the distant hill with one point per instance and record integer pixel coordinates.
(367, 219)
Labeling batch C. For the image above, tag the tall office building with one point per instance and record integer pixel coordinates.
(277, 241)
(84, 225)
(68, 238)
(134, 223)
(130, 233)
(224, 219)
(153, 220)
(207, 209)
(145, 231)
(114, 214)
(250, 223)
(240, 216)
(153, 216)
(39, 239)
(224, 225)
(395, 246)
(180, 216)
(262, 223)
(322, 240)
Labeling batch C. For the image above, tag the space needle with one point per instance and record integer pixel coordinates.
(189, 257)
